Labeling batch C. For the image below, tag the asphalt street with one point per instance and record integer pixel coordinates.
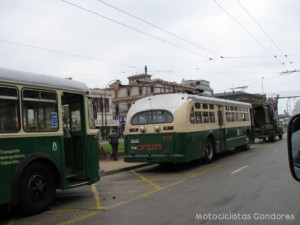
(251, 187)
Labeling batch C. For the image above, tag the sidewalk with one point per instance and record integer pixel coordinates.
(109, 166)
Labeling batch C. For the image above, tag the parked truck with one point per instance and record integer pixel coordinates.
(265, 125)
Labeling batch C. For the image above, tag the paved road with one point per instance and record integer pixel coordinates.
(253, 187)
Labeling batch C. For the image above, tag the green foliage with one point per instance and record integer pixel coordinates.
(105, 146)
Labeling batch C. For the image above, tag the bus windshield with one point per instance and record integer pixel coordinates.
(151, 117)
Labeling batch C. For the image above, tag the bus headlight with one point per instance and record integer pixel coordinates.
(157, 128)
(143, 129)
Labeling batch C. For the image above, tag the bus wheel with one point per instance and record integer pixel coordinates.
(271, 137)
(248, 142)
(36, 188)
(209, 151)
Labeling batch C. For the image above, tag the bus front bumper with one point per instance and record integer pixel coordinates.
(172, 158)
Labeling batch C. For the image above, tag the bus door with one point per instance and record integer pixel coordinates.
(222, 131)
(73, 105)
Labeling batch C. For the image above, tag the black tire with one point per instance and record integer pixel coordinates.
(271, 137)
(248, 142)
(36, 188)
(209, 151)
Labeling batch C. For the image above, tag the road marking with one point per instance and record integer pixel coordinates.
(77, 219)
(64, 211)
(276, 150)
(99, 205)
(213, 167)
(157, 187)
(238, 170)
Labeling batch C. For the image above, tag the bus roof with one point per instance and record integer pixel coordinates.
(171, 102)
(20, 77)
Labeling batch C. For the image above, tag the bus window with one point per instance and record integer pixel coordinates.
(231, 117)
(40, 111)
(161, 117)
(151, 117)
(236, 117)
(72, 118)
(227, 117)
(198, 117)
(205, 117)
(9, 110)
(212, 117)
(141, 118)
(197, 106)
(192, 116)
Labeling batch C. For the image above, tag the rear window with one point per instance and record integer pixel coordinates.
(151, 117)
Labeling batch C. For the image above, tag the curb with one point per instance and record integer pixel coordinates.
(106, 173)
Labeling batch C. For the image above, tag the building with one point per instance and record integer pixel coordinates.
(105, 114)
(202, 85)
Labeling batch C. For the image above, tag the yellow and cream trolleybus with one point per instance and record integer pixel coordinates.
(175, 128)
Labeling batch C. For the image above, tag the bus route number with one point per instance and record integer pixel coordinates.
(167, 138)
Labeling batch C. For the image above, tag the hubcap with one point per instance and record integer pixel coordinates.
(209, 151)
(37, 187)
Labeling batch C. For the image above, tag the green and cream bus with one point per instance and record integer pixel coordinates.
(175, 128)
(48, 139)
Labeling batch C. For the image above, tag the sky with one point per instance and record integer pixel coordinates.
(230, 43)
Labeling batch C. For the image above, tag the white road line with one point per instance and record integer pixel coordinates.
(276, 150)
(238, 170)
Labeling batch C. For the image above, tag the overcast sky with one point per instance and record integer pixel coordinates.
(231, 43)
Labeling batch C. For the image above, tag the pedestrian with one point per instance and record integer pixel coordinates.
(113, 139)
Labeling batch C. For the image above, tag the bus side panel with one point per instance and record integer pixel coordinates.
(13, 151)
(92, 159)
(236, 137)
(195, 144)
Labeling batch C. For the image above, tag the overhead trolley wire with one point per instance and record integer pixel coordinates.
(65, 53)
(249, 33)
(264, 31)
(162, 29)
(135, 29)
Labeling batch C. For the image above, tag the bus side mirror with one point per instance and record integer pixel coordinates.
(294, 146)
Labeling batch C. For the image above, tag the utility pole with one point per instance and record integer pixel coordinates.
(262, 85)
(102, 127)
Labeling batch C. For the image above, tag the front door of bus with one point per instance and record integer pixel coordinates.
(74, 136)
(222, 134)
